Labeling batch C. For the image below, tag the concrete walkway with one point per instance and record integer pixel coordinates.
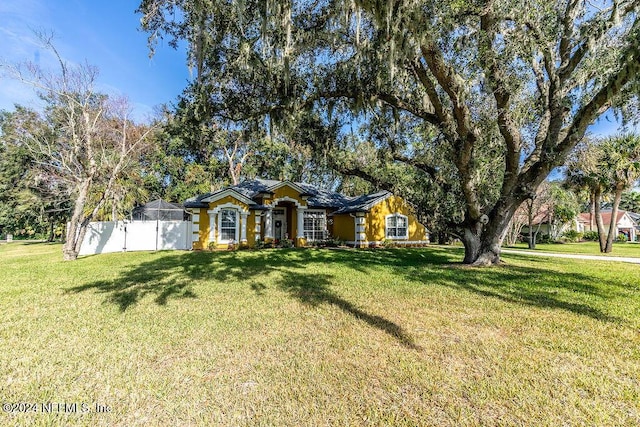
(574, 256)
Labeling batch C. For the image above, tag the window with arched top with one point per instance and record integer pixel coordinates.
(396, 226)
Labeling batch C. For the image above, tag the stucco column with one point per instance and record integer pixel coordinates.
(268, 224)
(243, 227)
(300, 222)
(361, 236)
(212, 226)
(258, 228)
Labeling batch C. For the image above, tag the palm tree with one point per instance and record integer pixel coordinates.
(620, 162)
(583, 175)
(605, 167)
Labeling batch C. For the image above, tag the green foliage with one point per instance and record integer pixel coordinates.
(286, 243)
(333, 242)
(329, 242)
(31, 206)
(606, 167)
(388, 243)
(630, 201)
(622, 238)
(590, 236)
(573, 236)
(260, 244)
(544, 238)
(468, 105)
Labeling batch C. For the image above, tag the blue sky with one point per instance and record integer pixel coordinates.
(105, 34)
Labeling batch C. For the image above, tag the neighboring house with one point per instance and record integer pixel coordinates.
(636, 218)
(625, 224)
(544, 225)
(269, 210)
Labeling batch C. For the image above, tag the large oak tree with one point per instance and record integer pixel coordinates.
(501, 90)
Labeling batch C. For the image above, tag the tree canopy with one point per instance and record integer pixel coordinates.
(477, 100)
(83, 141)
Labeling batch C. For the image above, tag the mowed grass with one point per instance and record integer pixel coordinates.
(318, 337)
(627, 249)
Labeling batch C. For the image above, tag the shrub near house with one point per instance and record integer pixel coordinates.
(258, 212)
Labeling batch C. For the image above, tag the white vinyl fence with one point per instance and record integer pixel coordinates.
(118, 236)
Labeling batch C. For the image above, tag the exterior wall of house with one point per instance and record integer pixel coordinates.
(343, 227)
(286, 191)
(251, 227)
(228, 199)
(292, 196)
(372, 225)
(203, 230)
(625, 222)
(375, 221)
(627, 227)
(204, 223)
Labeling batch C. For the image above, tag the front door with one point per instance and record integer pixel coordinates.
(280, 223)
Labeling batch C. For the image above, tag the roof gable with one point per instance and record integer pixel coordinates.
(289, 184)
(229, 191)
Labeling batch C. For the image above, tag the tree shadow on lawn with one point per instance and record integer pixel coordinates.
(313, 290)
(166, 277)
(538, 287)
(172, 276)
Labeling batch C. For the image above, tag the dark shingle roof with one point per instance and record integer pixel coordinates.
(196, 202)
(318, 198)
(363, 203)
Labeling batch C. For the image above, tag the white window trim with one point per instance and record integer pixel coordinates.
(323, 212)
(220, 226)
(398, 215)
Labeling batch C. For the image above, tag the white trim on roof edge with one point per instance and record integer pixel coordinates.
(228, 192)
(378, 200)
(290, 184)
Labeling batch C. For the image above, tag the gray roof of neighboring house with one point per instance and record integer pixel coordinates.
(318, 198)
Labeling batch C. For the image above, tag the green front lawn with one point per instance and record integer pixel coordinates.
(318, 337)
(585, 248)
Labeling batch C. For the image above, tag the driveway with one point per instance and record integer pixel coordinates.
(573, 256)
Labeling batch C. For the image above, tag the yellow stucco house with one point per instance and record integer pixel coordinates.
(269, 210)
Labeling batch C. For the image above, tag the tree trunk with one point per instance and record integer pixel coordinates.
(602, 238)
(592, 210)
(443, 238)
(614, 219)
(532, 237)
(482, 242)
(480, 250)
(51, 227)
(77, 225)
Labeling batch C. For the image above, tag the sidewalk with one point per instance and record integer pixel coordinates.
(574, 256)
